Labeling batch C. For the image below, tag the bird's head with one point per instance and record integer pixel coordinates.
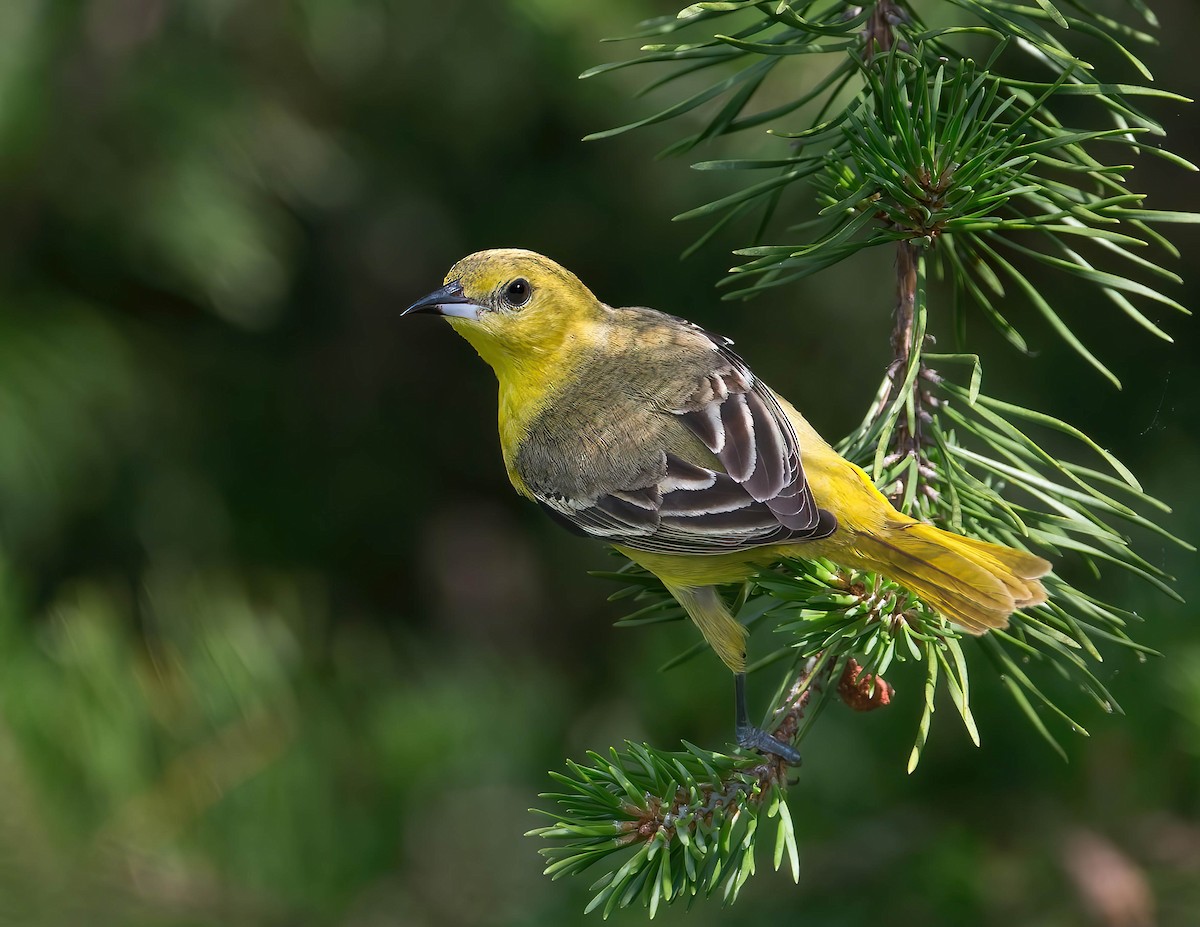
(515, 307)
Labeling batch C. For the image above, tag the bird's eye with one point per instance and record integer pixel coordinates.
(517, 293)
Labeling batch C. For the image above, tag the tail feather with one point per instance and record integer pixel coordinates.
(1024, 569)
(973, 583)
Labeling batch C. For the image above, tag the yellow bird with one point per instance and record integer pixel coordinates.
(645, 431)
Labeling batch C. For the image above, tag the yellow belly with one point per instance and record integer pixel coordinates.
(705, 569)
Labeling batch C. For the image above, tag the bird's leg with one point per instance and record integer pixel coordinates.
(755, 738)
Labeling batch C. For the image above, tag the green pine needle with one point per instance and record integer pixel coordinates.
(896, 139)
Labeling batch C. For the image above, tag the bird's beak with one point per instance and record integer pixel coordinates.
(449, 300)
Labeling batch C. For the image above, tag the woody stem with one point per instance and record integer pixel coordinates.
(908, 441)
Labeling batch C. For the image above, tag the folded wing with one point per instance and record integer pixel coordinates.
(680, 506)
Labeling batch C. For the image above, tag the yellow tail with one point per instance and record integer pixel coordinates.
(973, 583)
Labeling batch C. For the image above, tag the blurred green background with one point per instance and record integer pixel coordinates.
(278, 645)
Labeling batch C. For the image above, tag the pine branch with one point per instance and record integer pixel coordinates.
(968, 173)
(688, 819)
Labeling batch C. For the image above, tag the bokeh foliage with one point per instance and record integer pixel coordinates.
(242, 680)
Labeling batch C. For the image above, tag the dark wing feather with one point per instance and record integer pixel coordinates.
(742, 423)
(761, 498)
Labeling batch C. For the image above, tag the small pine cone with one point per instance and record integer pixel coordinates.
(862, 691)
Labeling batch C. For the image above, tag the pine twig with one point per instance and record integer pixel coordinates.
(968, 174)
(688, 819)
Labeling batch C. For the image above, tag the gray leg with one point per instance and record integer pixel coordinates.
(755, 738)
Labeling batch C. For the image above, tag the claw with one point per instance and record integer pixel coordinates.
(750, 737)
(755, 738)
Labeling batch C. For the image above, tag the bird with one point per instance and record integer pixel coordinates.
(647, 432)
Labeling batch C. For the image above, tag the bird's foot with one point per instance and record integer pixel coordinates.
(755, 738)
